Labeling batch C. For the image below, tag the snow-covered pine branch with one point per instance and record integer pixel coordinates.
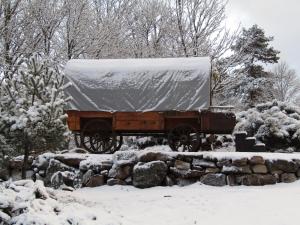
(32, 104)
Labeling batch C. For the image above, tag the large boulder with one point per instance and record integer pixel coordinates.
(125, 157)
(258, 180)
(203, 163)
(86, 177)
(181, 165)
(96, 163)
(186, 174)
(113, 181)
(257, 160)
(288, 178)
(120, 171)
(72, 159)
(42, 161)
(236, 170)
(54, 167)
(148, 156)
(283, 165)
(211, 179)
(60, 179)
(95, 181)
(259, 168)
(240, 162)
(149, 174)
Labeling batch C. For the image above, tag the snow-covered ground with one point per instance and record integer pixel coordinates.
(31, 203)
(195, 204)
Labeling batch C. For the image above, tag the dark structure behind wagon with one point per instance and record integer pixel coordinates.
(167, 97)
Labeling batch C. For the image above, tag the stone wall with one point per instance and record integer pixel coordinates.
(145, 169)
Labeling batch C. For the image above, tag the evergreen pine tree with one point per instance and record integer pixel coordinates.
(32, 101)
(252, 84)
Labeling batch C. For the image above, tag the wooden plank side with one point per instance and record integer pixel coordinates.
(138, 116)
(217, 123)
(138, 121)
(171, 123)
(138, 125)
(178, 114)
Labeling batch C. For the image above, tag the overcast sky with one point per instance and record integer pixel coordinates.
(279, 18)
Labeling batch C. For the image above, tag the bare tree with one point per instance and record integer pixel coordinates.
(201, 28)
(109, 32)
(74, 30)
(286, 83)
(11, 42)
(148, 25)
(45, 19)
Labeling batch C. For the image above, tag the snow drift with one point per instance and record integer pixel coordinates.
(27, 202)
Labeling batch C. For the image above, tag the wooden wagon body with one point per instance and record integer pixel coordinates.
(101, 130)
(140, 123)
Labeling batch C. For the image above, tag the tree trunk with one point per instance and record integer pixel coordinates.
(25, 160)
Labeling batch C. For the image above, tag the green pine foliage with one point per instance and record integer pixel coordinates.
(250, 84)
(31, 105)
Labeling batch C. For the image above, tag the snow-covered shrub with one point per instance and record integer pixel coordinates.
(277, 124)
(28, 202)
(31, 103)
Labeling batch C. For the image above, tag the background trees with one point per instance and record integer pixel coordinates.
(286, 83)
(65, 29)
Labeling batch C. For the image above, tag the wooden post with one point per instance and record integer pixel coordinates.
(210, 84)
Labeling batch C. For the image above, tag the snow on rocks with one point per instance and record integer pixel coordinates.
(71, 159)
(125, 157)
(96, 162)
(28, 202)
(149, 174)
(42, 161)
(146, 168)
(148, 156)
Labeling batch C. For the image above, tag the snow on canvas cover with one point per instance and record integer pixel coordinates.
(130, 85)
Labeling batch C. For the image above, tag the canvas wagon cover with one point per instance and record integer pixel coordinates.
(131, 85)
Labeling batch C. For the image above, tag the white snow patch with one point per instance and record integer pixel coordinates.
(194, 204)
(92, 160)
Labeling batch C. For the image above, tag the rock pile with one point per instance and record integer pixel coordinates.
(145, 169)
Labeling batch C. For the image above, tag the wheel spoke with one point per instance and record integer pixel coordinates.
(185, 138)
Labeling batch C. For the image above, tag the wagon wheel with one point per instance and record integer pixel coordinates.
(85, 143)
(184, 138)
(97, 136)
(118, 144)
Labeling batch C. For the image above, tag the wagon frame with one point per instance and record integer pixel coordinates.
(182, 129)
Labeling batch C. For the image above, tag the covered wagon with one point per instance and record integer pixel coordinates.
(168, 97)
